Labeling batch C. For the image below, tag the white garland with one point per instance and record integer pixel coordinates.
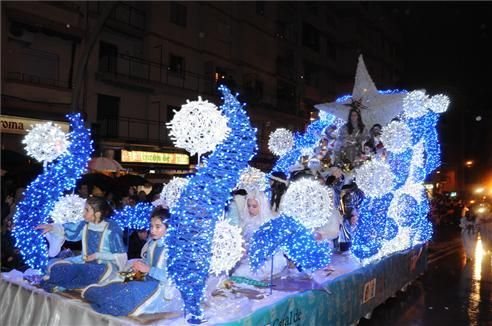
(401, 242)
(308, 202)
(281, 141)
(438, 103)
(375, 178)
(415, 104)
(46, 142)
(396, 137)
(171, 192)
(198, 127)
(418, 155)
(227, 247)
(68, 209)
(252, 180)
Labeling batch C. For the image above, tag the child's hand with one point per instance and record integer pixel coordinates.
(90, 257)
(141, 266)
(45, 227)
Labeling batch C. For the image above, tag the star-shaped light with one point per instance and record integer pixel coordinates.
(374, 106)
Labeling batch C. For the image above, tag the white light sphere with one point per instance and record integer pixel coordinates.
(46, 142)
(171, 192)
(415, 104)
(68, 209)
(438, 103)
(281, 141)
(252, 179)
(198, 127)
(396, 137)
(308, 202)
(227, 247)
(375, 178)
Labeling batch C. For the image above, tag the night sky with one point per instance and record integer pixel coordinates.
(447, 49)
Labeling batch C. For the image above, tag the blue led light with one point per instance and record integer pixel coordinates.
(134, 217)
(202, 202)
(42, 194)
(296, 241)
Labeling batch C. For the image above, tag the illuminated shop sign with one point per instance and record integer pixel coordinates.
(20, 125)
(154, 157)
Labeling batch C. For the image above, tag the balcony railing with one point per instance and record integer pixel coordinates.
(123, 13)
(124, 66)
(132, 130)
(20, 76)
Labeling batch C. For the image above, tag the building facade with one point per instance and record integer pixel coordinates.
(282, 58)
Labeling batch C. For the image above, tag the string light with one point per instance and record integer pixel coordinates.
(396, 137)
(42, 194)
(281, 141)
(135, 217)
(308, 202)
(252, 180)
(171, 192)
(68, 209)
(415, 104)
(202, 202)
(438, 103)
(198, 127)
(227, 247)
(46, 142)
(296, 241)
(375, 178)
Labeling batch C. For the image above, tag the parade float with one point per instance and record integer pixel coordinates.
(351, 226)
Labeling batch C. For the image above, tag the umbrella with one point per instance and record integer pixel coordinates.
(104, 164)
(99, 180)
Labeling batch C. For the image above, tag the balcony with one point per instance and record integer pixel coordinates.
(124, 17)
(132, 130)
(134, 71)
(37, 89)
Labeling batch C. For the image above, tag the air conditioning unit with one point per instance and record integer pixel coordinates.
(20, 33)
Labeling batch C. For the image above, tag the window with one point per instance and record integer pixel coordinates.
(178, 14)
(331, 50)
(286, 97)
(311, 74)
(176, 64)
(260, 8)
(107, 57)
(310, 37)
(107, 114)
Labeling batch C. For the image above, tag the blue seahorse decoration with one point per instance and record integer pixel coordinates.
(201, 203)
(42, 194)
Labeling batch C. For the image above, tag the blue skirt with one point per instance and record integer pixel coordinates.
(120, 299)
(71, 276)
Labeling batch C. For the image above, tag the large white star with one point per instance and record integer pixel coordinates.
(374, 106)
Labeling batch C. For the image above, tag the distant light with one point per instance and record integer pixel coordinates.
(478, 118)
(469, 163)
(472, 201)
(438, 172)
(302, 77)
(481, 210)
(479, 190)
(151, 171)
(453, 194)
(68, 26)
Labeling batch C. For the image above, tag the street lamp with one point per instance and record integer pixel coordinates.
(469, 163)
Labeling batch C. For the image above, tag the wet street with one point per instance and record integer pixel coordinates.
(453, 291)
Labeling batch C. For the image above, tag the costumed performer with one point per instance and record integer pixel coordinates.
(351, 136)
(103, 251)
(154, 293)
(255, 213)
(278, 186)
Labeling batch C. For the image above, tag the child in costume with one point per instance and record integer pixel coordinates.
(103, 251)
(155, 293)
(255, 213)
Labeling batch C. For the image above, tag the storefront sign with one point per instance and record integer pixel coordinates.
(154, 157)
(20, 125)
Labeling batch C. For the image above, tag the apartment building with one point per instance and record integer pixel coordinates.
(281, 57)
